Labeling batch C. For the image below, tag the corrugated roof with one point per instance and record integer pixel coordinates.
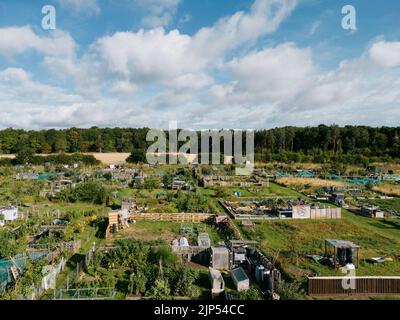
(219, 249)
(239, 274)
(342, 243)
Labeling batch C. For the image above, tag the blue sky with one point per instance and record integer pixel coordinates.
(204, 63)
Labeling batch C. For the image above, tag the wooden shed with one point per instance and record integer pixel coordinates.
(343, 252)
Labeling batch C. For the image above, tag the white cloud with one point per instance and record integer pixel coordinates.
(264, 18)
(357, 92)
(18, 40)
(314, 27)
(123, 87)
(157, 13)
(125, 60)
(17, 75)
(85, 73)
(272, 74)
(90, 7)
(149, 56)
(386, 54)
(16, 84)
(173, 58)
(149, 77)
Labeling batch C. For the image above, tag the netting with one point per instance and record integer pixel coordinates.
(281, 174)
(20, 262)
(305, 174)
(363, 181)
(85, 294)
(359, 181)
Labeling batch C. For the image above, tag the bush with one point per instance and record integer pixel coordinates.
(86, 192)
(251, 295)
(26, 156)
(290, 291)
(190, 202)
(137, 156)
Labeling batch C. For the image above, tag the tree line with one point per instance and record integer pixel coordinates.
(27, 156)
(349, 144)
(319, 144)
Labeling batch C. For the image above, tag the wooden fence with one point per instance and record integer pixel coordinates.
(309, 213)
(172, 217)
(358, 286)
(326, 213)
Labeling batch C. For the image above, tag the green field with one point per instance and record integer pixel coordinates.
(387, 204)
(167, 231)
(286, 242)
(291, 241)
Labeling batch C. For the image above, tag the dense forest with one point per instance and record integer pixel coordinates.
(319, 144)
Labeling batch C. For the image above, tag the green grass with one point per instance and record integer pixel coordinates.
(376, 237)
(274, 190)
(289, 240)
(387, 204)
(148, 230)
(203, 284)
(294, 239)
(283, 191)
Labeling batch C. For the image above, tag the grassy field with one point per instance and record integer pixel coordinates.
(389, 189)
(273, 190)
(291, 241)
(395, 167)
(387, 204)
(167, 231)
(287, 241)
(312, 182)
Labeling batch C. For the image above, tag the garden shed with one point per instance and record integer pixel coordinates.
(217, 281)
(220, 258)
(343, 252)
(240, 279)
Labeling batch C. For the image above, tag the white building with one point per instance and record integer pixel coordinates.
(8, 214)
(301, 212)
(240, 279)
(217, 281)
(373, 212)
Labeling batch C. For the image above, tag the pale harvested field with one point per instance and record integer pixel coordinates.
(389, 189)
(106, 158)
(313, 182)
(111, 158)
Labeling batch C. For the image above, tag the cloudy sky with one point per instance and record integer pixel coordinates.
(204, 63)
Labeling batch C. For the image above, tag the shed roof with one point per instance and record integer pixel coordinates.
(219, 249)
(204, 236)
(342, 243)
(239, 274)
(215, 274)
